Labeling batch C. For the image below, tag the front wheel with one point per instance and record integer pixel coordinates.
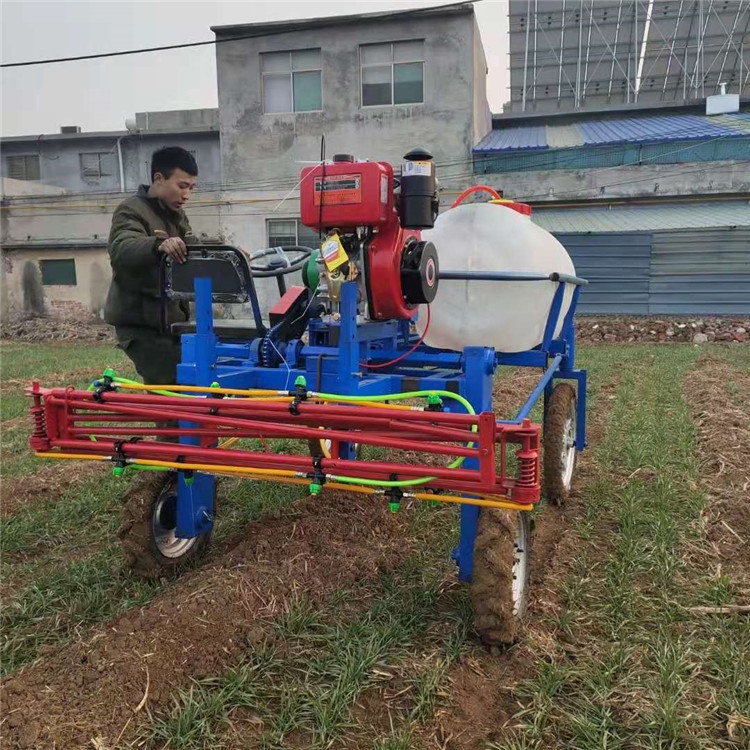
(147, 532)
(500, 581)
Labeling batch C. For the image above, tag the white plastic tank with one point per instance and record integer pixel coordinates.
(507, 315)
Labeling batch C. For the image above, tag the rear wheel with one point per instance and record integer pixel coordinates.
(500, 582)
(147, 532)
(559, 443)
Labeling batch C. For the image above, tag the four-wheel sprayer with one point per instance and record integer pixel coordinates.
(338, 363)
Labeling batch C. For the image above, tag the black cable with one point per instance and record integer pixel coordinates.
(322, 184)
(335, 21)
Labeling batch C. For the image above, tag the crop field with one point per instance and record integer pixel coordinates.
(330, 622)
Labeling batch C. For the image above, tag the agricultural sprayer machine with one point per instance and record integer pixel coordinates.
(336, 363)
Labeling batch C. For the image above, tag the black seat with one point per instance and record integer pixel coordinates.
(231, 282)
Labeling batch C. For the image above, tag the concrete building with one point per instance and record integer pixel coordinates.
(59, 192)
(116, 161)
(652, 203)
(374, 85)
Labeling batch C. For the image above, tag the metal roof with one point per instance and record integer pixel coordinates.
(511, 139)
(698, 215)
(608, 130)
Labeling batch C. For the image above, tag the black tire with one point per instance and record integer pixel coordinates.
(558, 458)
(502, 552)
(149, 505)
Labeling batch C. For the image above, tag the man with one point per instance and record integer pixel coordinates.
(145, 228)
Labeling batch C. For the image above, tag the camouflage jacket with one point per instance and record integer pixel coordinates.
(139, 225)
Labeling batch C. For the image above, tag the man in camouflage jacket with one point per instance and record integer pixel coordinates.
(146, 227)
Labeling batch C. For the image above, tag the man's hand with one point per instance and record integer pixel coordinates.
(175, 248)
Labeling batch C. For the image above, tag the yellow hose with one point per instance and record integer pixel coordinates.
(292, 477)
(252, 394)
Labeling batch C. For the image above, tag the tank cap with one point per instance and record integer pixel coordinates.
(418, 154)
(337, 158)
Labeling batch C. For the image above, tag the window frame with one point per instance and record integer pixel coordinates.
(42, 261)
(393, 63)
(25, 157)
(290, 73)
(297, 224)
(99, 155)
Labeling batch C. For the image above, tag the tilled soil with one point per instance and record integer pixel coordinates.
(482, 698)
(198, 626)
(50, 483)
(720, 403)
(105, 686)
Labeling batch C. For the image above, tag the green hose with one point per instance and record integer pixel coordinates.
(354, 399)
(399, 397)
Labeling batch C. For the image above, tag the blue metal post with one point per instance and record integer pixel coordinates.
(195, 491)
(348, 342)
(479, 371)
(554, 316)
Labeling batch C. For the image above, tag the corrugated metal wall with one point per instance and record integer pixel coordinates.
(686, 272)
(701, 271)
(617, 268)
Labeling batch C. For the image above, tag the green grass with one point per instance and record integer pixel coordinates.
(329, 662)
(28, 361)
(639, 670)
(59, 556)
(42, 538)
(648, 673)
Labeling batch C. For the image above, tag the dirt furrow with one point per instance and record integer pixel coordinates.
(200, 625)
(719, 399)
(482, 686)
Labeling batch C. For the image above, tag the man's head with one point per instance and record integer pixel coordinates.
(173, 175)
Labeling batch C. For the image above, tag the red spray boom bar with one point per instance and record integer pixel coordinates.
(104, 424)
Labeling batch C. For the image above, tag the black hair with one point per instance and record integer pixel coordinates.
(169, 158)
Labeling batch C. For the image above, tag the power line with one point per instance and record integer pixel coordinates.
(334, 21)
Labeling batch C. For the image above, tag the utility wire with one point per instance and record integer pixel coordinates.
(334, 21)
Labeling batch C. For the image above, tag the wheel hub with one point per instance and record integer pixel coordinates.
(164, 526)
(520, 565)
(568, 456)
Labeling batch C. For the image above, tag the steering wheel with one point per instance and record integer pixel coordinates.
(282, 260)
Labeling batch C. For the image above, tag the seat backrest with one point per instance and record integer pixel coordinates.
(226, 266)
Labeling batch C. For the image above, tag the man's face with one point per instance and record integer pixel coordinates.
(174, 190)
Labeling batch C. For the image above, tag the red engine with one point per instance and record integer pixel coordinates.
(355, 202)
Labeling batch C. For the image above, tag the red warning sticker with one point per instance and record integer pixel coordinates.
(338, 189)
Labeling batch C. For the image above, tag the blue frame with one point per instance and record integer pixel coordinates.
(330, 362)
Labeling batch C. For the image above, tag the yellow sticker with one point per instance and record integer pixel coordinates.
(333, 253)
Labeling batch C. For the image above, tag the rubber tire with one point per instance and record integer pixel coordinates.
(142, 556)
(492, 580)
(553, 487)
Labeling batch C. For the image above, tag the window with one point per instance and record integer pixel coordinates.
(392, 73)
(286, 232)
(58, 272)
(291, 81)
(96, 165)
(23, 167)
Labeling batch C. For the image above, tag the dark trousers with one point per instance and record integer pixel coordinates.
(155, 356)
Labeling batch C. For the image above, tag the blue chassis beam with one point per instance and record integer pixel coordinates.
(336, 369)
